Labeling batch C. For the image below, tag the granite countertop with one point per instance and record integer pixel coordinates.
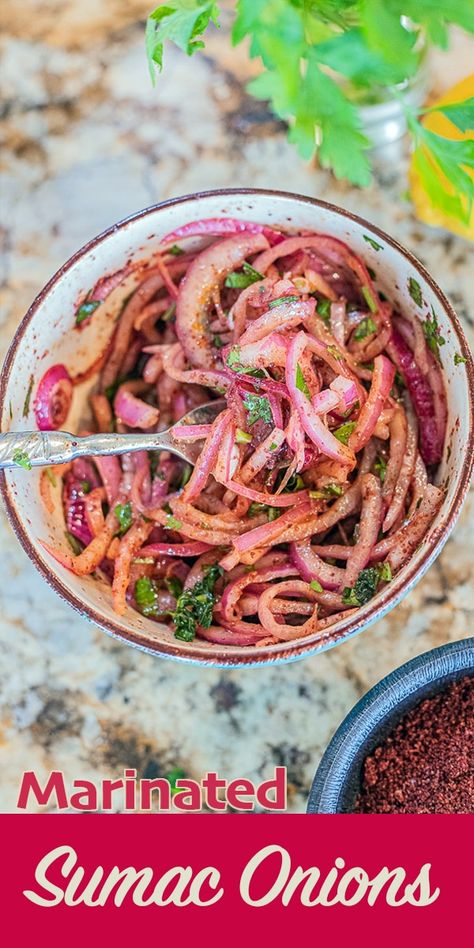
(88, 141)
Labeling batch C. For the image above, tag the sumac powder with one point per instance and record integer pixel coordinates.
(426, 764)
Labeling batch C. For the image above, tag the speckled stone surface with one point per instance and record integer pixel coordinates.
(88, 141)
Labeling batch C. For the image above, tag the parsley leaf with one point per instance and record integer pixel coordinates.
(241, 280)
(283, 299)
(414, 290)
(369, 299)
(366, 585)
(300, 381)
(146, 596)
(365, 328)
(257, 406)
(461, 114)
(194, 606)
(21, 459)
(242, 437)
(175, 251)
(74, 543)
(373, 243)
(180, 21)
(172, 523)
(380, 466)
(459, 359)
(85, 310)
(234, 363)
(432, 334)
(316, 586)
(124, 515)
(324, 308)
(344, 432)
(327, 492)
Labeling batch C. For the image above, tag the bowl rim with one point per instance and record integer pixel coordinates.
(403, 683)
(283, 651)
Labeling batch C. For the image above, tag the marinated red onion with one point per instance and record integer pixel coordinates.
(310, 491)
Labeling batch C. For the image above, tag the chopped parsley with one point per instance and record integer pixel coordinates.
(21, 459)
(366, 585)
(414, 290)
(76, 547)
(124, 515)
(241, 280)
(373, 243)
(168, 314)
(86, 309)
(187, 471)
(146, 596)
(380, 467)
(334, 351)
(326, 492)
(51, 476)
(365, 328)
(459, 359)
(283, 299)
(432, 333)
(273, 446)
(26, 405)
(271, 512)
(369, 299)
(242, 437)
(175, 251)
(218, 344)
(324, 308)
(174, 586)
(258, 407)
(295, 483)
(300, 381)
(234, 363)
(194, 606)
(344, 432)
(86, 487)
(316, 586)
(172, 523)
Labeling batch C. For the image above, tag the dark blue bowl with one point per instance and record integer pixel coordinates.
(338, 778)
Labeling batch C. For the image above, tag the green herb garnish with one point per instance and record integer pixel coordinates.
(380, 466)
(316, 586)
(187, 471)
(258, 407)
(174, 586)
(26, 405)
(459, 359)
(51, 476)
(295, 483)
(324, 309)
(146, 596)
(124, 515)
(432, 334)
(169, 313)
(414, 290)
(344, 432)
(300, 381)
(86, 487)
(326, 492)
(85, 310)
(334, 351)
(369, 299)
(373, 243)
(365, 328)
(283, 299)
(241, 280)
(242, 437)
(74, 543)
(175, 251)
(194, 606)
(172, 523)
(21, 459)
(218, 344)
(366, 585)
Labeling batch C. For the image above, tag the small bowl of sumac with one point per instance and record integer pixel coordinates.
(408, 745)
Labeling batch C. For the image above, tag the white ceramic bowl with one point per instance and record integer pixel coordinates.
(47, 336)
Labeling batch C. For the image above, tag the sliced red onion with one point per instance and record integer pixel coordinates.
(207, 272)
(111, 475)
(280, 318)
(408, 538)
(175, 549)
(53, 398)
(312, 423)
(369, 526)
(220, 227)
(191, 432)
(311, 567)
(207, 459)
(266, 535)
(382, 381)
(235, 588)
(75, 509)
(292, 588)
(347, 391)
(133, 411)
(338, 321)
(431, 434)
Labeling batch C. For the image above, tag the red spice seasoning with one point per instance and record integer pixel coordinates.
(426, 765)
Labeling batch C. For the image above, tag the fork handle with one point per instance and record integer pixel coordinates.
(39, 448)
